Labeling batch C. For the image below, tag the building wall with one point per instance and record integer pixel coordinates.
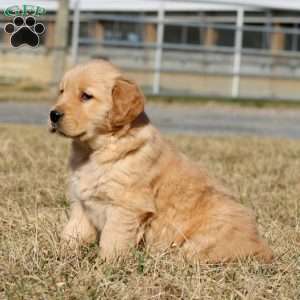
(36, 69)
(25, 66)
(209, 36)
(36, 65)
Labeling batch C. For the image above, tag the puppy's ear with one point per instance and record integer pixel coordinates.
(128, 102)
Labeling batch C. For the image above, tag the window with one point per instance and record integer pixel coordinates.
(193, 36)
(2, 33)
(225, 37)
(292, 40)
(122, 31)
(253, 39)
(173, 34)
(84, 30)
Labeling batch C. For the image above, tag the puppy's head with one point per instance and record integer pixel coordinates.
(95, 99)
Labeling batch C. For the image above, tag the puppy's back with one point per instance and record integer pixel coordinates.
(195, 213)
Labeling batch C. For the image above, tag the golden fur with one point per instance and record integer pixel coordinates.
(127, 184)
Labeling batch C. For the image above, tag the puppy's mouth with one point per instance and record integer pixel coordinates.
(55, 129)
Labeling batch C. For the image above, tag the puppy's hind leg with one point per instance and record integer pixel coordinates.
(79, 229)
(222, 246)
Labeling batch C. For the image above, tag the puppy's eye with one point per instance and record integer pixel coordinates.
(61, 91)
(85, 97)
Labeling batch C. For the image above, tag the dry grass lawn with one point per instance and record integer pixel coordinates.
(263, 173)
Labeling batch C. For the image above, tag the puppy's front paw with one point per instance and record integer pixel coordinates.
(69, 238)
(78, 233)
(107, 255)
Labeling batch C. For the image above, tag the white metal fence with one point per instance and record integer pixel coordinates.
(245, 63)
(234, 67)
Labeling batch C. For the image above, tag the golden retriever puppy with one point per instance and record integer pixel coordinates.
(127, 184)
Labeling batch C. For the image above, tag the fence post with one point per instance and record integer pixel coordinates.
(159, 48)
(238, 44)
(75, 32)
(60, 50)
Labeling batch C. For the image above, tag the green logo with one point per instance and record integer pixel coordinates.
(24, 10)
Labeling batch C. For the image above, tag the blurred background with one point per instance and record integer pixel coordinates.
(246, 48)
(199, 49)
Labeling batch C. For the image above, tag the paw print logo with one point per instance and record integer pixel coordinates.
(24, 31)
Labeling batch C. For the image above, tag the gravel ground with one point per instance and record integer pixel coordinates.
(190, 119)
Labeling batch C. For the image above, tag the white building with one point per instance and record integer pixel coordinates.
(201, 39)
(99, 20)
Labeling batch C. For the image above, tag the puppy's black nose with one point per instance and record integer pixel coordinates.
(55, 116)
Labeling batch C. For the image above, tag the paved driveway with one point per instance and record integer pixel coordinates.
(191, 119)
